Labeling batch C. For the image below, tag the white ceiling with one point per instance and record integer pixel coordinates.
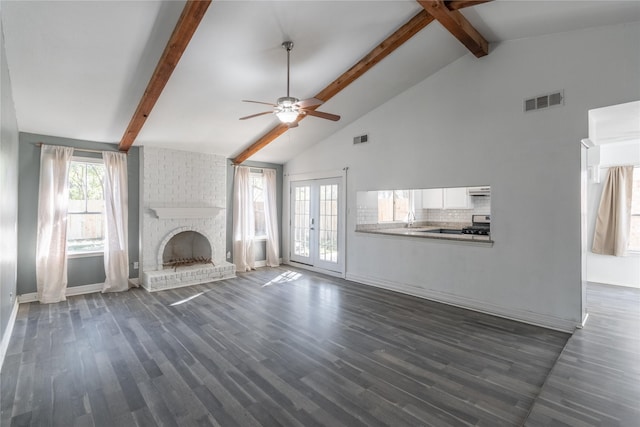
(79, 68)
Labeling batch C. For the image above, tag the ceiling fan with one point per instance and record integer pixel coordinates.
(288, 108)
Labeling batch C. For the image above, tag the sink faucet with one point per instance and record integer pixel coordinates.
(410, 219)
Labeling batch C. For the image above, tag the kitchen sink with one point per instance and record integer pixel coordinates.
(443, 231)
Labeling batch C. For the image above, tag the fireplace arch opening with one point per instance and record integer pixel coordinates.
(186, 246)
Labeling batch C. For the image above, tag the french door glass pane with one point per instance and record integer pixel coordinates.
(328, 223)
(301, 220)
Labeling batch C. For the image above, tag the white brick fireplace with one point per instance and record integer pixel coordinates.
(182, 192)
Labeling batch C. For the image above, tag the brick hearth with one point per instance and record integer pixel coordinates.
(194, 183)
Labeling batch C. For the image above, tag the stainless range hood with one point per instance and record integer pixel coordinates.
(479, 191)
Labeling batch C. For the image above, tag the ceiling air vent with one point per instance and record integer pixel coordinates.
(544, 101)
(556, 99)
(361, 139)
(529, 104)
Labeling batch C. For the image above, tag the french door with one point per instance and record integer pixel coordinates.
(316, 223)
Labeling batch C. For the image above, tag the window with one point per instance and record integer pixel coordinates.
(257, 191)
(394, 205)
(634, 237)
(85, 221)
(402, 204)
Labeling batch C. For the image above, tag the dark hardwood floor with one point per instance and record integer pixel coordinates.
(273, 347)
(596, 381)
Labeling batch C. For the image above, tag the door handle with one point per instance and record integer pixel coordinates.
(312, 224)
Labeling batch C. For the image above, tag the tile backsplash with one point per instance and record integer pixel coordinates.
(481, 206)
(366, 215)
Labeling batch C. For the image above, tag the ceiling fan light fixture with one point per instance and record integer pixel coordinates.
(287, 109)
(288, 115)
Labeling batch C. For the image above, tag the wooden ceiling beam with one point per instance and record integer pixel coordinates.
(457, 24)
(461, 4)
(390, 44)
(186, 26)
(262, 142)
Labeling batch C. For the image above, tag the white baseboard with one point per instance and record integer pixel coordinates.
(523, 316)
(316, 269)
(263, 263)
(4, 344)
(584, 321)
(74, 290)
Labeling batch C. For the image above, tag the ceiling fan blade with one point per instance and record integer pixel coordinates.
(310, 102)
(293, 125)
(322, 115)
(259, 102)
(255, 115)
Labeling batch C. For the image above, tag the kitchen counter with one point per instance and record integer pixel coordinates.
(422, 233)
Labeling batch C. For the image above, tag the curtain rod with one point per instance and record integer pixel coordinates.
(86, 150)
(635, 165)
(261, 169)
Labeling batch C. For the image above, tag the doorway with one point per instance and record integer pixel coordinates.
(614, 140)
(316, 224)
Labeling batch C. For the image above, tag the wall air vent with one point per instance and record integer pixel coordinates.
(544, 101)
(361, 139)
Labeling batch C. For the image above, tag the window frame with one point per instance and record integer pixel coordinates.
(634, 194)
(88, 253)
(254, 173)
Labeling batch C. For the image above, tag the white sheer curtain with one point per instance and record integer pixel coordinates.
(271, 217)
(116, 248)
(243, 220)
(51, 244)
(613, 223)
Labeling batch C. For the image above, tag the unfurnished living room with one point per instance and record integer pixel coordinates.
(320, 213)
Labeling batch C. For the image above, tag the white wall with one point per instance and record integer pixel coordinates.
(623, 271)
(465, 126)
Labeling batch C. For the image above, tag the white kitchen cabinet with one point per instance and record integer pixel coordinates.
(457, 198)
(432, 198)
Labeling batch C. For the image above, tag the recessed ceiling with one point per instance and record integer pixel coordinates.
(78, 69)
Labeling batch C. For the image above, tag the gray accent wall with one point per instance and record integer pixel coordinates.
(8, 193)
(260, 246)
(81, 271)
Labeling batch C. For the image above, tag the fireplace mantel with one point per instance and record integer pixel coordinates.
(185, 212)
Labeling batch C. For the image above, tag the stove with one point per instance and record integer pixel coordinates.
(481, 225)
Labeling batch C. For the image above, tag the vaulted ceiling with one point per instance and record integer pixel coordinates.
(79, 69)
